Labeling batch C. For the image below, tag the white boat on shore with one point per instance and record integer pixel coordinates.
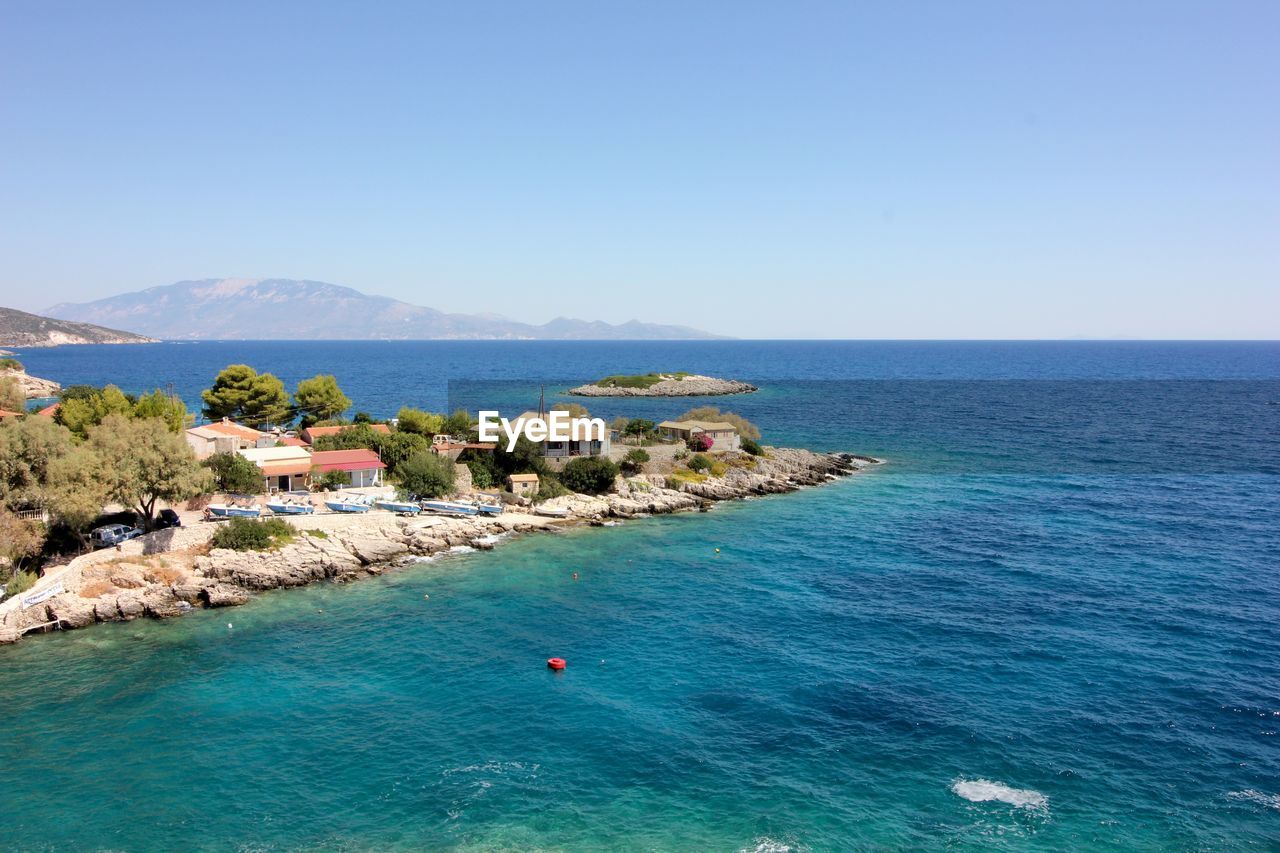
(288, 506)
(551, 512)
(349, 505)
(399, 507)
(450, 507)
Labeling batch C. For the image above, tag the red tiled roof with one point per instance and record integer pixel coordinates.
(346, 460)
(293, 441)
(312, 433)
(49, 410)
(231, 428)
(5, 413)
(293, 466)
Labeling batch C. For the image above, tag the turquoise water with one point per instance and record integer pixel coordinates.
(1063, 587)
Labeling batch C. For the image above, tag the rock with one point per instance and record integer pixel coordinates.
(221, 595)
(33, 387)
(160, 603)
(130, 604)
(127, 576)
(105, 609)
(672, 386)
(9, 634)
(71, 611)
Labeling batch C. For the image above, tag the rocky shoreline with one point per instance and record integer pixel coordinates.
(33, 387)
(171, 572)
(685, 386)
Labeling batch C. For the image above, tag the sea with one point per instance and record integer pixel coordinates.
(1051, 620)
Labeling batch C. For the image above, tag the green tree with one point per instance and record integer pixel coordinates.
(639, 427)
(28, 449)
(12, 397)
(330, 479)
(19, 540)
(166, 407)
(145, 464)
(590, 475)
(241, 393)
(397, 447)
(425, 475)
(85, 409)
(419, 422)
(319, 398)
(750, 445)
(745, 428)
(459, 423)
(634, 461)
(234, 474)
(481, 475)
(77, 491)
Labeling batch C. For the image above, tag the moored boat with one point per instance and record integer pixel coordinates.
(450, 507)
(347, 505)
(401, 507)
(215, 511)
(551, 512)
(288, 506)
(488, 509)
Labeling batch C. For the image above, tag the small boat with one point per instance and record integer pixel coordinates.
(213, 511)
(288, 506)
(450, 507)
(347, 505)
(551, 512)
(401, 507)
(488, 509)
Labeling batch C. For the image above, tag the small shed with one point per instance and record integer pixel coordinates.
(523, 485)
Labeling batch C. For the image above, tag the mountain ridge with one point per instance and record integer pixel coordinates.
(24, 329)
(293, 309)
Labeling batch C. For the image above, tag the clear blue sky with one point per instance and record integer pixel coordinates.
(954, 170)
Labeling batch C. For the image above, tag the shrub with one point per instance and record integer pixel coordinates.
(425, 475)
(332, 480)
(20, 583)
(481, 476)
(317, 533)
(700, 443)
(97, 589)
(245, 534)
(634, 461)
(233, 473)
(590, 475)
(10, 364)
(698, 462)
(750, 445)
(549, 486)
(644, 380)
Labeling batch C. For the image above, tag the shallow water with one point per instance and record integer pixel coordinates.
(1049, 622)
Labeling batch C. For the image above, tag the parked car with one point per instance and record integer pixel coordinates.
(166, 518)
(113, 534)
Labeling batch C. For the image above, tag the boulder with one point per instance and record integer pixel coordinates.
(130, 604)
(71, 611)
(222, 595)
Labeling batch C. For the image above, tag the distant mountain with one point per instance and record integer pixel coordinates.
(20, 329)
(276, 308)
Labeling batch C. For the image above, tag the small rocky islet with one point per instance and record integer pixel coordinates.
(663, 385)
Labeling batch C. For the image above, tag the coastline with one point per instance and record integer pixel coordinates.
(171, 572)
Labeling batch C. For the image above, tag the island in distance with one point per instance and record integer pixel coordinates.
(284, 309)
(662, 385)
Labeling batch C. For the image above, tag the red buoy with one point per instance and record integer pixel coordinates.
(555, 663)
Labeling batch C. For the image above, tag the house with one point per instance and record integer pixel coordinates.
(523, 485)
(310, 434)
(50, 411)
(225, 436)
(444, 445)
(362, 466)
(583, 446)
(724, 436)
(5, 413)
(283, 468)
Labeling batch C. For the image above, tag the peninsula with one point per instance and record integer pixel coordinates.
(662, 385)
(20, 329)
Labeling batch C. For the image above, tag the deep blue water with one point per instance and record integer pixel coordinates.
(1065, 583)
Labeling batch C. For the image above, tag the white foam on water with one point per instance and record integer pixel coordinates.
(1271, 801)
(764, 844)
(461, 549)
(986, 791)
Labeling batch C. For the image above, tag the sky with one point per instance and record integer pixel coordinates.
(768, 170)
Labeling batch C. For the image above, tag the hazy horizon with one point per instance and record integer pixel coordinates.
(992, 171)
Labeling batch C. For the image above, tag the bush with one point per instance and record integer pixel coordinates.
(245, 534)
(20, 583)
(481, 476)
(589, 475)
(425, 475)
(332, 480)
(549, 486)
(634, 461)
(750, 445)
(700, 443)
(700, 463)
(11, 364)
(644, 380)
(233, 473)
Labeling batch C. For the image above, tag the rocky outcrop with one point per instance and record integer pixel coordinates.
(33, 387)
(673, 385)
(342, 548)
